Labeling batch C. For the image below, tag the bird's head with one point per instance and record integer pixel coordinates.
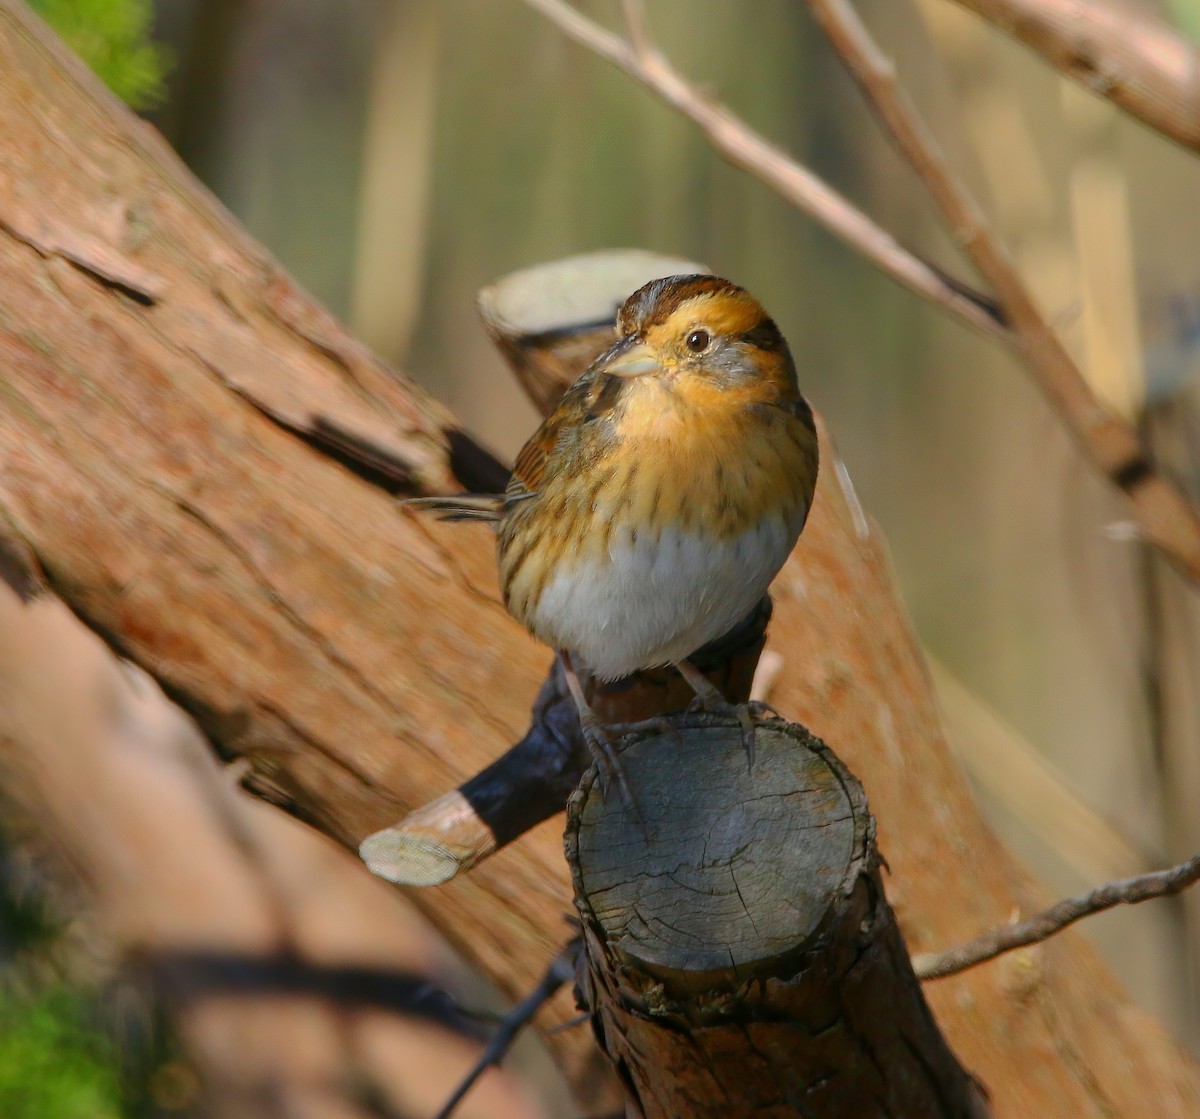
(703, 332)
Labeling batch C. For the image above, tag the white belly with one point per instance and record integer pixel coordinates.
(656, 601)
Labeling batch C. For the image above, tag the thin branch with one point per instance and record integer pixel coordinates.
(745, 148)
(1127, 891)
(1164, 515)
(636, 26)
(560, 971)
(1136, 62)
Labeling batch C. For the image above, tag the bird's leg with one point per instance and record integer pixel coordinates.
(708, 695)
(595, 734)
(709, 698)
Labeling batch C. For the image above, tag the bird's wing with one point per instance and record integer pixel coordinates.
(523, 484)
(589, 399)
(530, 468)
(583, 402)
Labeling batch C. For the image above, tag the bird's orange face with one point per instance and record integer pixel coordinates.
(695, 357)
(701, 336)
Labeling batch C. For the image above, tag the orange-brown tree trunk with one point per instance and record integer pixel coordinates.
(168, 404)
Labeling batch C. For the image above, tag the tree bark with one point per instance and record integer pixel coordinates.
(167, 409)
(741, 958)
(225, 902)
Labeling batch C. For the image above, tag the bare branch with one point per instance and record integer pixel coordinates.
(559, 972)
(1126, 891)
(745, 148)
(1163, 514)
(635, 25)
(1137, 63)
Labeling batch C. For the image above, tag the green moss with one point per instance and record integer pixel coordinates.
(113, 38)
(54, 1062)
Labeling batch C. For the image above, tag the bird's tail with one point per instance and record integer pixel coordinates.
(461, 506)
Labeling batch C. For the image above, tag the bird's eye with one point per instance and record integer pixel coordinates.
(698, 341)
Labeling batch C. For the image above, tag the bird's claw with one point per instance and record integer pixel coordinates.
(747, 714)
(609, 770)
(659, 723)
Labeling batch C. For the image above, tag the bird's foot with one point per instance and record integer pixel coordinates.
(659, 723)
(709, 699)
(747, 714)
(599, 739)
(609, 771)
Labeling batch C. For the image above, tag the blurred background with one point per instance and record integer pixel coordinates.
(397, 155)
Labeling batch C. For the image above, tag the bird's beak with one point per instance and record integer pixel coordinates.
(630, 358)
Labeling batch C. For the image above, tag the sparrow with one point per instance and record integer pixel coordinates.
(651, 510)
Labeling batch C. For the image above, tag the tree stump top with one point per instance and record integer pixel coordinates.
(778, 841)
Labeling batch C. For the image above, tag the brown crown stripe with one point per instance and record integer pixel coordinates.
(660, 299)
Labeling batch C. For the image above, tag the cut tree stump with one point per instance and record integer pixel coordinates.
(741, 958)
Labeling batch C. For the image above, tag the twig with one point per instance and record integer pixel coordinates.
(1126, 891)
(1136, 62)
(635, 24)
(1164, 515)
(745, 148)
(560, 971)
